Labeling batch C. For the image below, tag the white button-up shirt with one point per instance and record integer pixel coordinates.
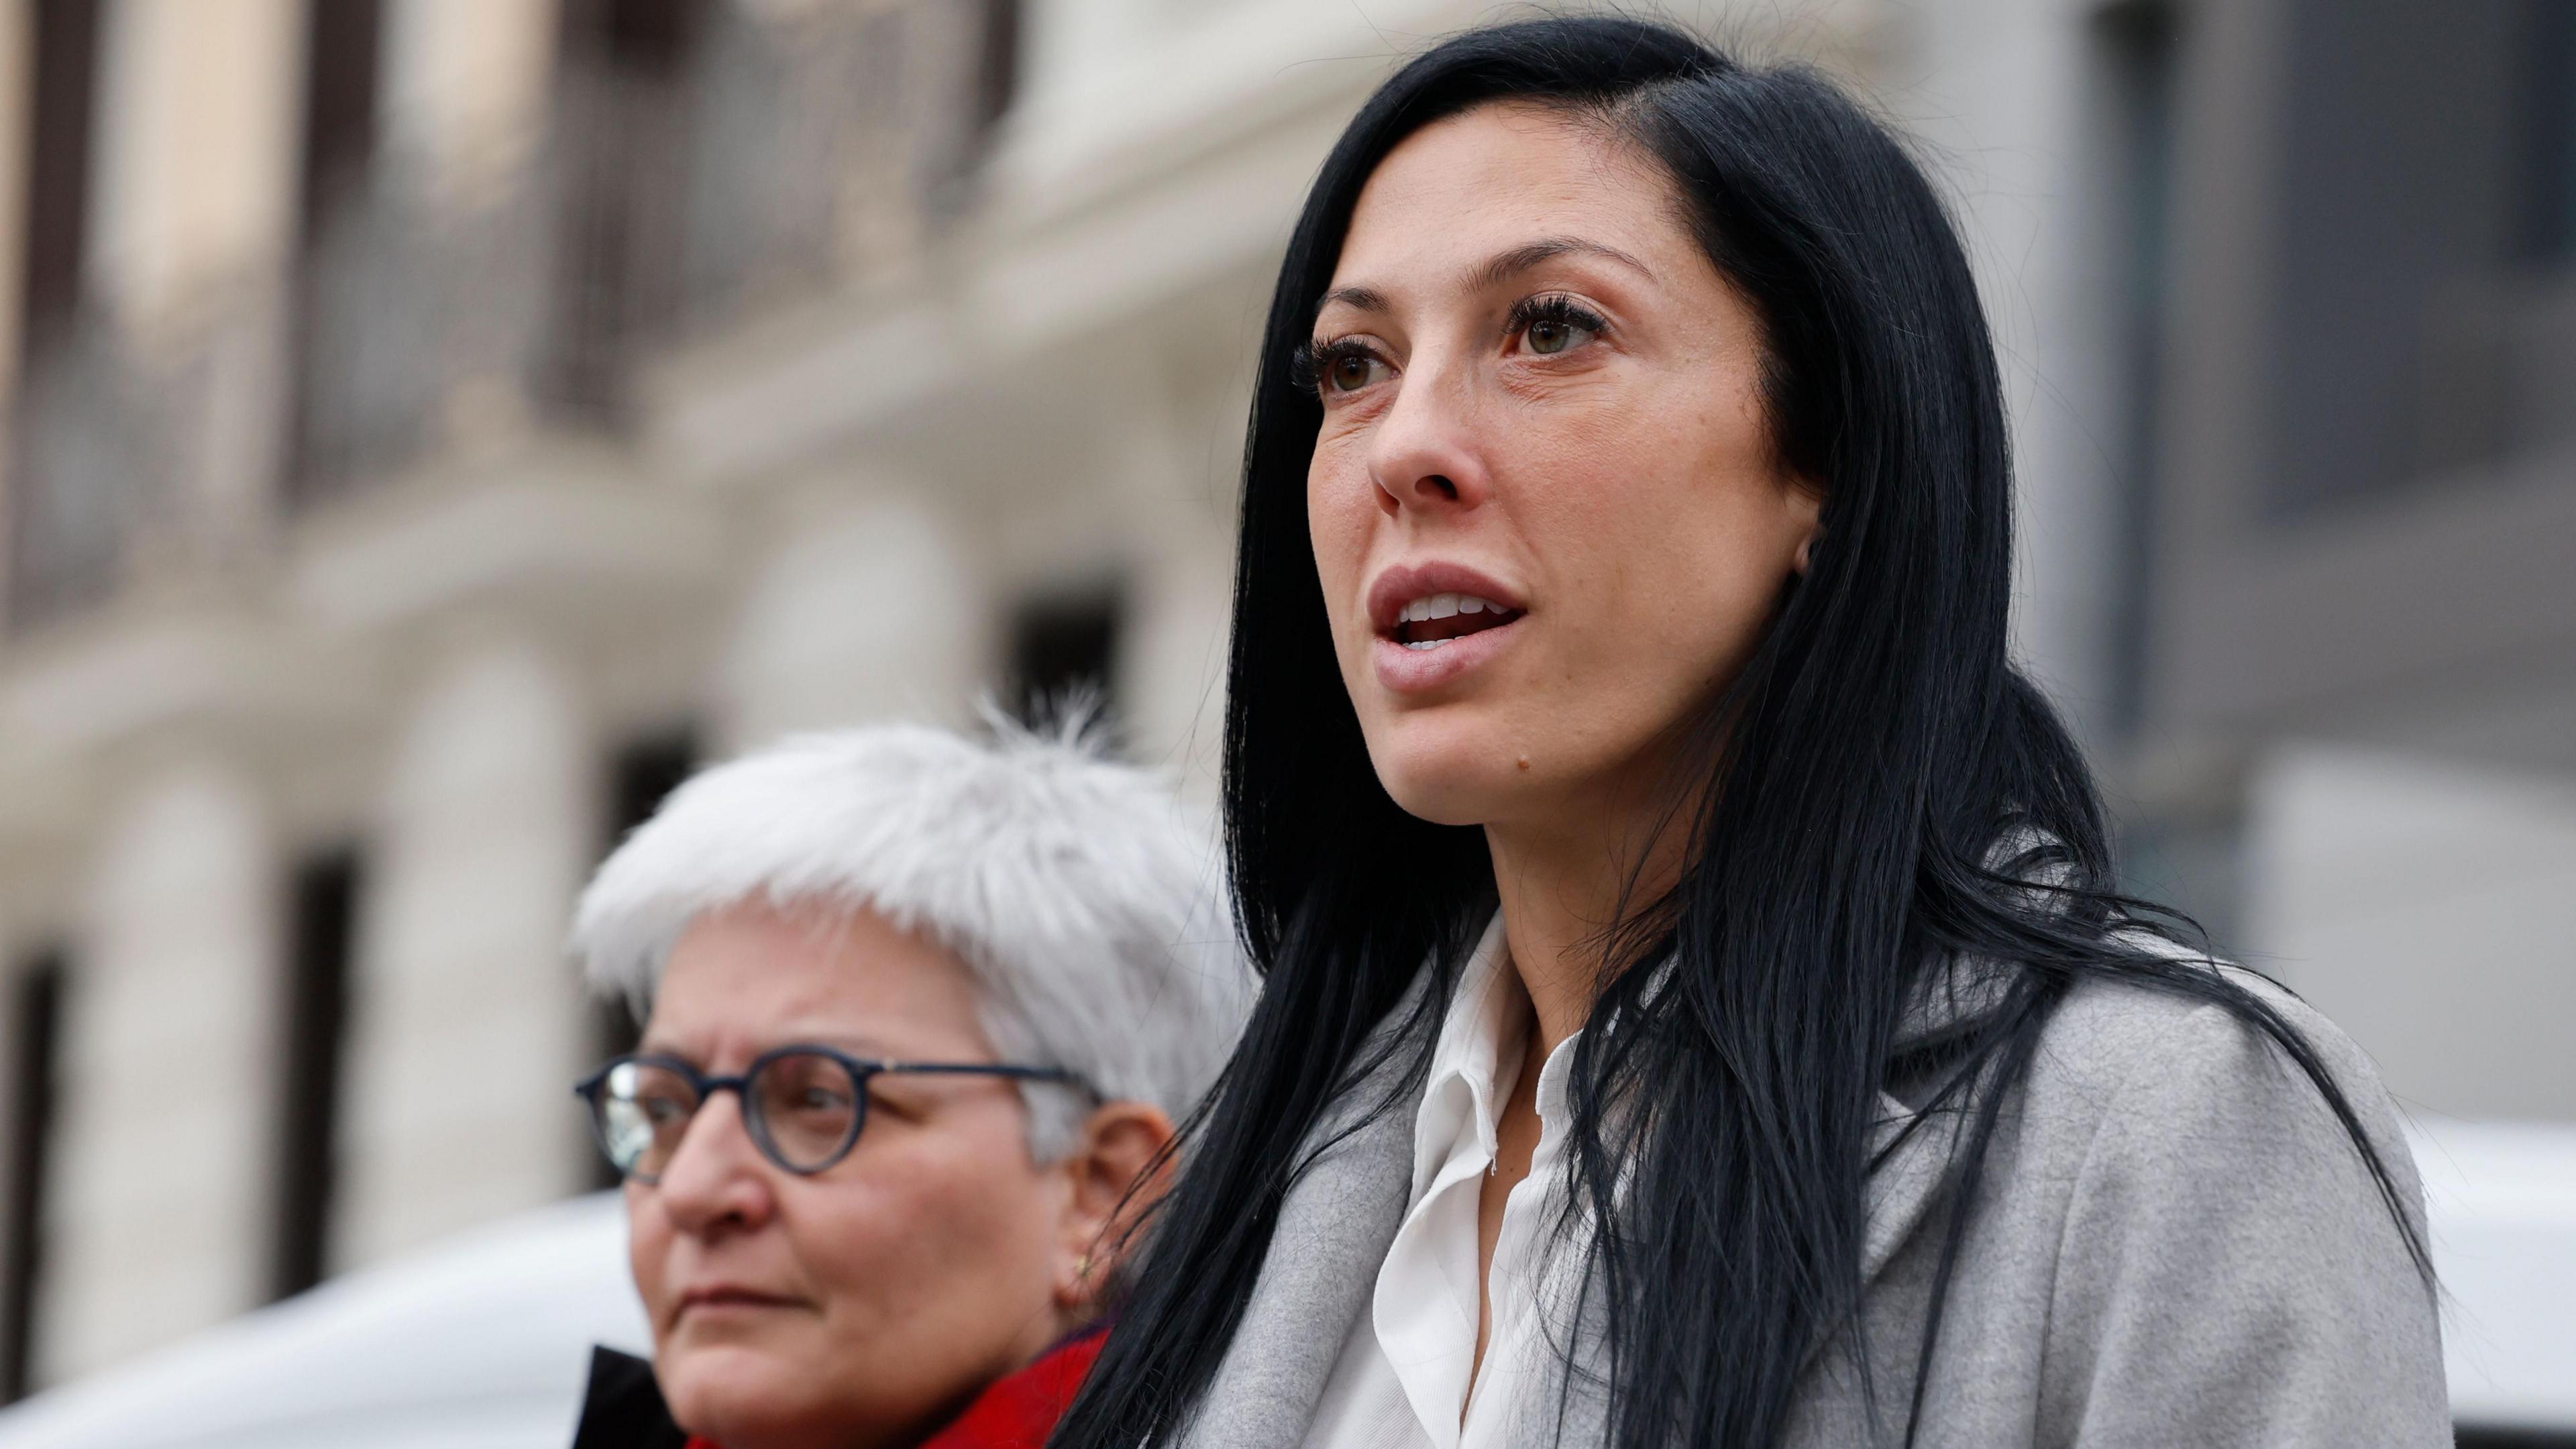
(1407, 1376)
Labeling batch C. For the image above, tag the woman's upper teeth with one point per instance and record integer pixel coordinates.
(1441, 606)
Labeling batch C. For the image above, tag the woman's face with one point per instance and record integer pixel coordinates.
(1544, 503)
(861, 1305)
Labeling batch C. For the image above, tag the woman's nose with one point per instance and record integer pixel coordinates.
(716, 1177)
(1424, 456)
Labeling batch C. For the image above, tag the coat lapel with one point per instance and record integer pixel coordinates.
(1337, 1222)
(1335, 1226)
(1913, 1150)
(1913, 1156)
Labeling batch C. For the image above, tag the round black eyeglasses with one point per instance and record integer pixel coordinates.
(802, 1105)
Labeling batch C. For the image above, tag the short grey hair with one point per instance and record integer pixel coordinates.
(1074, 889)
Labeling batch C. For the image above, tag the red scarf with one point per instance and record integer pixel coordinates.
(1018, 1410)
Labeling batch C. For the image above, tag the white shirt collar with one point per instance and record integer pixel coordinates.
(1412, 1354)
(1474, 1061)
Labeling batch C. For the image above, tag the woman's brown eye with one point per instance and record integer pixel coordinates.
(1350, 372)
(1547, 337)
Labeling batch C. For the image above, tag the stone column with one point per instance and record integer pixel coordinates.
(466, 1020)
(193, 219)
(157, 1218)
(466, 88)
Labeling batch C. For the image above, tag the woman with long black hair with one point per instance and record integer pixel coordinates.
(1699, 1010)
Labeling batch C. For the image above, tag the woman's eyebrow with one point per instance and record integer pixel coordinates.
(1501, 268)
(1506, 265)
(1366, 299)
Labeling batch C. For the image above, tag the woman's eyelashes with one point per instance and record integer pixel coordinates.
(1546, 326)
(1553, 325)
(1340, 367)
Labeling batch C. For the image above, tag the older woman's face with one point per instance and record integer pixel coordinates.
(863, 1304)
(1543, 501)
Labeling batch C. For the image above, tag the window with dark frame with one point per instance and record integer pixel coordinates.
(997, 81)
(622, 121)
(52, 567)
(2547, 127)
(1064, 647)
(342, 77)
(35, 1030)
(322, 928)
(2137, 46)
(62, 122)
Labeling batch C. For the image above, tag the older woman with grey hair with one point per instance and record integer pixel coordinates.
(920, 1014)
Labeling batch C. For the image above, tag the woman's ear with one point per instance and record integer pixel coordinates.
(1806, 514)
(1114, 1172)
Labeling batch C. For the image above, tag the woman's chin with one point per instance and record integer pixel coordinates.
(1455, 786)
(739, 1397)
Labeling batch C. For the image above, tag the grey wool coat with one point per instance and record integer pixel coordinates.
(2175, 1245)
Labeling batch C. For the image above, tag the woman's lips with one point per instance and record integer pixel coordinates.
(1401, 584)
(1472, 617)
(727, 1298)
(1405, 669)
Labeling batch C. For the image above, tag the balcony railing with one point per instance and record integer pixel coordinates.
(129, 454)
(723, 160)
(411, 325)
(738, 161)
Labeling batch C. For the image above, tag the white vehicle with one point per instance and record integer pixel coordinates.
(2502, 1198)
(481, 1343)
(484, 1343)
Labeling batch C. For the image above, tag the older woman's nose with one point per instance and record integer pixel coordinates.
(716, 1177)
(1423, 456)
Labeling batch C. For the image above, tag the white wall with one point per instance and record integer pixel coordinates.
(1172, 660)
(864, 609)
(2429, 908)
(1995, 91)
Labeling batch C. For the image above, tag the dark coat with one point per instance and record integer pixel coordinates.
(624, 1408)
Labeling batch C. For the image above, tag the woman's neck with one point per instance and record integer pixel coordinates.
(1564, 883)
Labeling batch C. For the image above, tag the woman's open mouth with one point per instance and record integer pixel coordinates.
(1436, 619)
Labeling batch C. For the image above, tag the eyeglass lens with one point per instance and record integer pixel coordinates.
(801, 1108)
(808, 1108)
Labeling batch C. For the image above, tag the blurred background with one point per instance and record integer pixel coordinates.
(433, 426)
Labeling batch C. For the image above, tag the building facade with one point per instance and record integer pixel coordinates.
(436, 424)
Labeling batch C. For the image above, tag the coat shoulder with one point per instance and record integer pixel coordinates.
(2114, 1048)
(2256, 1118)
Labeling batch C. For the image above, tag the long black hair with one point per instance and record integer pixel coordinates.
(1886, 796)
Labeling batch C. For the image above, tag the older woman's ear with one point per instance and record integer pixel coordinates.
(1107, 1176)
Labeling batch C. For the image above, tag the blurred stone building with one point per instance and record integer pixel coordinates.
(433, 425)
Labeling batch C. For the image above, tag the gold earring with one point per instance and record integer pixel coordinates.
(1082, 1269)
